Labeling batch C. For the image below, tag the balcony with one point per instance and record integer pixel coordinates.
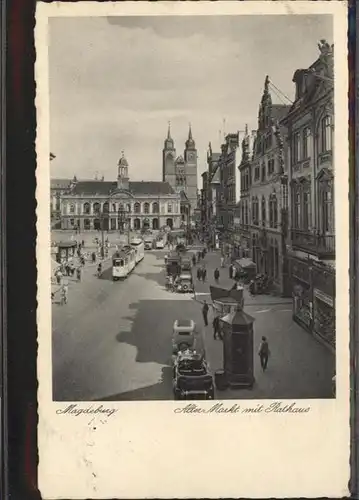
(320, 245)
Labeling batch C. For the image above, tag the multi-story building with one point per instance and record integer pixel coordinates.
(109, 205)
(242, 236)
(214, 185)
(267, 185)
(205, 201)
(227, 165)
(310, 125)
(181, 171)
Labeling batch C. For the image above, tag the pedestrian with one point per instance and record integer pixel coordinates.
(205, 310)
(93, 257)
(99, 269)
(222, 261)
(194, 260)
(203, 253)
(199, 273)
(215, 324)
(83, 243)
(216, 275)
(230, 270)
(264, 353)
(78, 273)
(204, 274)
(64, 294)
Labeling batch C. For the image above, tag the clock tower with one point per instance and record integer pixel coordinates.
(190, 158)
(168, 159)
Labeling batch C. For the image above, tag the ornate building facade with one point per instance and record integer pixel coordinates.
(180, 172)
(310, 125)
(267, 187)
(227, 164)
(107, 205)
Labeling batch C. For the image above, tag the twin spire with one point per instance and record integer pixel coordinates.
(169, 141)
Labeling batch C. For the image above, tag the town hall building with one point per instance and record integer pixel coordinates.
(113, 205)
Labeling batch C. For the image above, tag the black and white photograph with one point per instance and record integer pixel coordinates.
(192, 207)
(192, 249)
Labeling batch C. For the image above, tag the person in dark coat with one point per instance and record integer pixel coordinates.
(215, 324)
(194, 260)
(216, 275)
(204, 274)
(205, 310)
(199, 274)
(264, 353)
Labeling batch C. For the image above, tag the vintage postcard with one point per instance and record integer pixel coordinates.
(192, 249)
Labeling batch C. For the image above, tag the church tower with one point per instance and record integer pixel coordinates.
(122, 176)
(190, 158)
(168, 160)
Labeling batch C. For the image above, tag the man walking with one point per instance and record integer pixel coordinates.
(205, 310)
(204, 274)
(199, 273)
(216, 275)
(222, 261)
(215, 324)
(264, 353)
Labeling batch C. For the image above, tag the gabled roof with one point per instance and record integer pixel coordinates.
(60, 183)
(106, 187)
(279, 111)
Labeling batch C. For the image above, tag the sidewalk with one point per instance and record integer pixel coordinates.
(212, 261)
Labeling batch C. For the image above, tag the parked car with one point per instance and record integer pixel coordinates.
(183, 335)
(191, 377)
(184, 283)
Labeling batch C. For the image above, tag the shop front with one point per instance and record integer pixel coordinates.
(323, 279)
(301, 293)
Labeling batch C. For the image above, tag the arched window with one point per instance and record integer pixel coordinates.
(169, 208)
(137, 208)
(296, 208)
(326, 134)
(306, 209)
(87, 208)
(263, 178)
(146, 208)
(106, 207)
(326, 207)
(273, 210)
(121, 207)
(96, 208)
(72, 208)
(264, 214)
(114, 207)
(155, 208)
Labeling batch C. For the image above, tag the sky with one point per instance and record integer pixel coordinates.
(116, 82)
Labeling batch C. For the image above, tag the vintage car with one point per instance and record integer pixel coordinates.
(191, 376)
(181, 247)
(184, 283)
(184, 331)
(149, 243)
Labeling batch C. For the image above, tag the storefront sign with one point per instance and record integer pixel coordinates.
(323, 297)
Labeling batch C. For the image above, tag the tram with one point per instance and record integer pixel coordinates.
(138, 245)
(123, 262)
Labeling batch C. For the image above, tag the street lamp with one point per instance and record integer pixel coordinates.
(123, 219)
(103, 215)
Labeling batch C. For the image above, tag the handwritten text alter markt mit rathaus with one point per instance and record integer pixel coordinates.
(275, 407)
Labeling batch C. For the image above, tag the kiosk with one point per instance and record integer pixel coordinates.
(65, 251)
(237, 332)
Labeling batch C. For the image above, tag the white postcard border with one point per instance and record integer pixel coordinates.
(146, 449)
